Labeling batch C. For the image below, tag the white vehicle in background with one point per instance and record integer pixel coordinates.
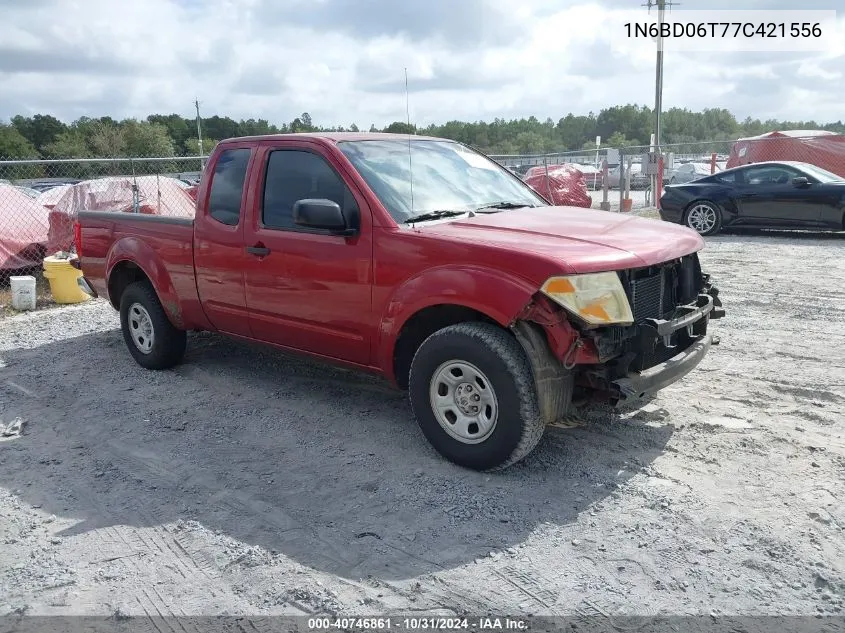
(690, 171)
(639, 180)
(592, 175)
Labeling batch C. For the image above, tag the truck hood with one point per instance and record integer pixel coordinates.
(579, 240)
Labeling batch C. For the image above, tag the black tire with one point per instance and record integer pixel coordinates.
(715, 228)
(499, 356)
(168, 342)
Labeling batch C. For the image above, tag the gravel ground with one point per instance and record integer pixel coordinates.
(249, 482)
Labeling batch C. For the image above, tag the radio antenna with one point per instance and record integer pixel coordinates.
(410, 160)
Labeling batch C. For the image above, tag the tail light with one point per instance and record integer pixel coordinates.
(77, 239)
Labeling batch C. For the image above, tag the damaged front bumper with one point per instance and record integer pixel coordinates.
(639, 360)
(638, 385)
(693, 320)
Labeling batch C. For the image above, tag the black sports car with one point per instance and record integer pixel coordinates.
(782, 194)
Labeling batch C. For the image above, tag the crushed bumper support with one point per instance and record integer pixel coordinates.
(706, 305)
(637, 385)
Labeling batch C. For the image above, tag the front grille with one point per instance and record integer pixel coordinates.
(655, 292)
(646, 297)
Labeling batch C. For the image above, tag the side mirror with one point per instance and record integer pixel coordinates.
(320, 213)
(800, 181)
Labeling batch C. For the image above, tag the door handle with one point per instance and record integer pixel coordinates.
(259, 251)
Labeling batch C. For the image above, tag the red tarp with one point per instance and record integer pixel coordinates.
(820, 149)
(564, 186)
(50, 197)
(157, 195)
(23, 229)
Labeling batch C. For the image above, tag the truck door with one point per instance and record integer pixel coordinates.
(219, 254)
(307, 289)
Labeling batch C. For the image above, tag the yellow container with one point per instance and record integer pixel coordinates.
(62, 277)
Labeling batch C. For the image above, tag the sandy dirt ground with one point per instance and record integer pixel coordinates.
(250, 482)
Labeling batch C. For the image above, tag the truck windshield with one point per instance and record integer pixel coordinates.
(446, 177)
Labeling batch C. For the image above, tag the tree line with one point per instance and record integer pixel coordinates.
(45, 136)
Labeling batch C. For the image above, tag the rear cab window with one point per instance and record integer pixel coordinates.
(227, 185)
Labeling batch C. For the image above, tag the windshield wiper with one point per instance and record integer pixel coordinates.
(433, 215)
(504, 204)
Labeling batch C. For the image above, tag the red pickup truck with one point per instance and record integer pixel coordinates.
(423, 261)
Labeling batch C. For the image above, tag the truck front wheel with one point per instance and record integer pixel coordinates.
(149, 335)
(472, 392)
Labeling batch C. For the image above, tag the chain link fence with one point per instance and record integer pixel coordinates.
(39, 198)
(628, 183)
(631, 183)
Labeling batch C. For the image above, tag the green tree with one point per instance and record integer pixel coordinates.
(14, 145)
(170, 134)
(40, 130)
(192, 146)
(617, 139)
(530, 143)
(178, 127)
(106, 138)
(634, 122)
(69, 144)
(220, 127)
(146, 139)
(573, 131)
(303, 123)
(399, 127)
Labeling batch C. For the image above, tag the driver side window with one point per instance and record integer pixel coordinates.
(294, 175)
(769, 176)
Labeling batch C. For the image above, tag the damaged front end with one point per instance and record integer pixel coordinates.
(671, 305)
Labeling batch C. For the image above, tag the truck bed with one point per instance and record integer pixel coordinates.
(164, 245)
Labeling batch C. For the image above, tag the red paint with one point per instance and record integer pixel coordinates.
(347, 298)
(563, 339)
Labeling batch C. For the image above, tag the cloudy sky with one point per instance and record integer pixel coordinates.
(343, 60)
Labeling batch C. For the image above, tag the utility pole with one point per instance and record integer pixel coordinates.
(656, 178)
(199, 133)
(658, 80)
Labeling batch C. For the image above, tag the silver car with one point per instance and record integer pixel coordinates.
(689, 172)
(638, 179)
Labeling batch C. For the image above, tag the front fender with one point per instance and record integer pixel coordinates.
(141, 254)
(497, 294)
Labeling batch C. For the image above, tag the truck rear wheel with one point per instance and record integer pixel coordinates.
(472, 392)
(149, 335)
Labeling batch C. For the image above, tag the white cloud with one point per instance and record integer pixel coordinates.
(343, 61)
